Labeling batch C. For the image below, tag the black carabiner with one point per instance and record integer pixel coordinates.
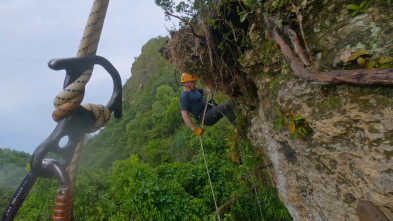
(73, 126)
(77, 65)
(77, 124)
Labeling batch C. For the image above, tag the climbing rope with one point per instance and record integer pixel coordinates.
(208, 174)
(70, 98)
(204, 157)
(203, 151)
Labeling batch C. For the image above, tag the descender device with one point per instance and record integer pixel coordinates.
(74, 126)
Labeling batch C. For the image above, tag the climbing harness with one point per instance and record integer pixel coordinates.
(212, 102)
(74, 120)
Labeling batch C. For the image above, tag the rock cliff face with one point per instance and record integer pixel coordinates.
(342, 169)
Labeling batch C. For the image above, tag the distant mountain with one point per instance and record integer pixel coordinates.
(12, 171)
(118, 140)
(149, 165)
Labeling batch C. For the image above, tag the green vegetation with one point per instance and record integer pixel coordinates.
(133, 190)
(149, 166)
(362, 7)
(364, 59)
(298, 127)
(12, 171)
(150, 115)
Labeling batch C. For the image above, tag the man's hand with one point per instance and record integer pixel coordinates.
(207, 91)
(198, 131)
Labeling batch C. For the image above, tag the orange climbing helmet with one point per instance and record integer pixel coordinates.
(187, 77)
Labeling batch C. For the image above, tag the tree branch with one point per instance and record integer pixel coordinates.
(357, 76)
(296, 46)
(231, 201)
(188, 23)
(300, 19)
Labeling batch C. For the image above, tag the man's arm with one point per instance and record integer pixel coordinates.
(187, 119)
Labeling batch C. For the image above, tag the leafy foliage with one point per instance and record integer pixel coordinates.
(150, 114)
(363, 58)
(149, 165)
(12, 171)
(281, 3)
(359, 8)
(298, 127)
(187, 9)
(40, 201)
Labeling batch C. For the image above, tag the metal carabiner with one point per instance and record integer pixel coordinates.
(77, 65)
(77, 124)
(73, 126)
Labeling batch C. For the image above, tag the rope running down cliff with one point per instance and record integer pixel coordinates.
(204, 157)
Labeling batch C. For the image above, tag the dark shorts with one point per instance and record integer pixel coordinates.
(215, 113)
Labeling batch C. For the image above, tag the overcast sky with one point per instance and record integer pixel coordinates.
(34, 32)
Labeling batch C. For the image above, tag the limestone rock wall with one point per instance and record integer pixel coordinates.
(343, 168)
(347, 160)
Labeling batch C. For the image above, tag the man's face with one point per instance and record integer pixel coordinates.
(191, 84)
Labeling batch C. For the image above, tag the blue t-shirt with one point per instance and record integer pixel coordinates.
(192, 101)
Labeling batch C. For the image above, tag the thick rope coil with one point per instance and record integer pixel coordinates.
(72, 168)
(101, 113)
(71, 97)
(92, 33)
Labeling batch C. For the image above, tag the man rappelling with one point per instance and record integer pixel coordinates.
(191, 101)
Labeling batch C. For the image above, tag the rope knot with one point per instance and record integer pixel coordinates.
(70, 98)
(101, 113)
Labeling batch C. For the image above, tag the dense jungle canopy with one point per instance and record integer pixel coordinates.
(148, 165)
(311, 83)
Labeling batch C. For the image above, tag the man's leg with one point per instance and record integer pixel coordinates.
(215, 113)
